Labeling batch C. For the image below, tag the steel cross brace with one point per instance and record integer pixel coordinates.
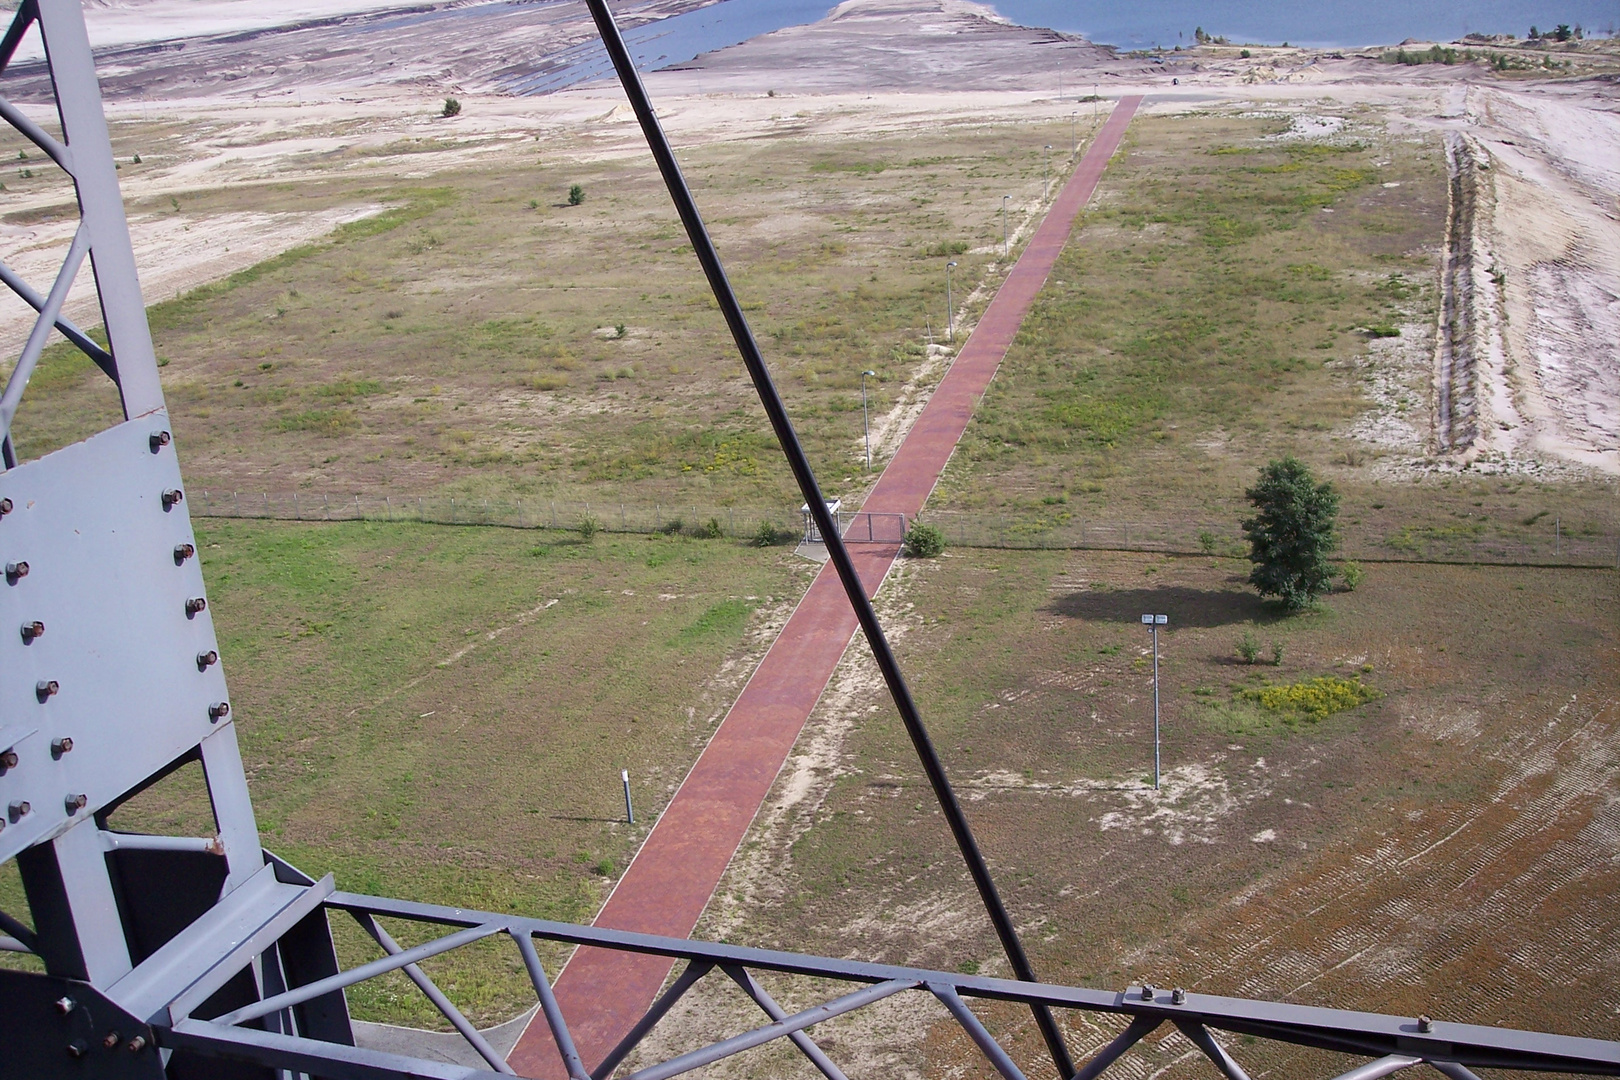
(1395, 1042)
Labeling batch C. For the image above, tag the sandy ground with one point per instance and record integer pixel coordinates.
(172, 254)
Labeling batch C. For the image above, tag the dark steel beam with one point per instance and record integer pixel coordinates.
(776, 411)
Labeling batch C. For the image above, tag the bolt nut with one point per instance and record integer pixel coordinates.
(136, 1045)
(17, 811)
(32, 630)
(112, 1039)
(172, 496)
(46, 688)
(75, 803)
(15, 572)
(65, 1005)
(206, 660)
(182, 552)
(1178, 996)
(8, 760)
(195, 606)
(219, 710)
(61, 746)
(78, 1048)
(5, 507)
(1425, 1024)
(1147, 991)
(158, 440)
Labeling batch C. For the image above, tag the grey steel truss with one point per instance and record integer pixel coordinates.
(176, 956)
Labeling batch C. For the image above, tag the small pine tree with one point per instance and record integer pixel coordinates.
(452, 107)
(576, 195)
(1292, 533)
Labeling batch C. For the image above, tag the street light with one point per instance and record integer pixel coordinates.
(1153, 622)
(1006, 244)
(950, 308)
(1046, 185)
(865, 425)
(1074, 118)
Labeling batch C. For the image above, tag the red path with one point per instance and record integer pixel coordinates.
(665, 889)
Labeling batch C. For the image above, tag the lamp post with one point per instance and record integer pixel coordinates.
(1046, 184)
(950, 308)
(1074, 138)
(865, 424)
(1153, 622)
(1006, 243)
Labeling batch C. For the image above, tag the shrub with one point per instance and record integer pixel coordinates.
(1313, 699)
(1276, 654)
(1245, 54)
(136, 160)
(924, 541)
(452, 107)
(1206, 542)
(1248, 648)
(672, 527)
(768, 535)
(1350, 575)
(711, 530)
(1292, 534)
(589, 527)
(576, 194)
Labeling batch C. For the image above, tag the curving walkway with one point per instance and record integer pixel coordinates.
(666, 887)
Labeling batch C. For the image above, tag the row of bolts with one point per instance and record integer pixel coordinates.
(46, 689)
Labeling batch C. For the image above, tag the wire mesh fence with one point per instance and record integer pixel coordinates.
(1549, 544)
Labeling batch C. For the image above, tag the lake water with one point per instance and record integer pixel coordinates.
(1340, 23)
(1271, 22)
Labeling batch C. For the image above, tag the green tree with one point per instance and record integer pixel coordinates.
(452, 107)
(576, 195)
(1291, 534)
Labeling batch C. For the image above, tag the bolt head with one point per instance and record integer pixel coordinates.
(32, 630)
(196, 605)
(78, 1048)
(8, 759)
(1425, 1024)
(17, 811)
(1147, 991)
(158, 440)
(74, 803)
(65, 1005)
(136, 1045)
(207, 659)
(182, 552)
(5, 507)
(15, 571)
(1178, 996)
(111, 1040)
(47, 688)
(61, 746)
(219, 710)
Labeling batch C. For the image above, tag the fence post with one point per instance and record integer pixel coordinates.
(359, 513)
(388, 507)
